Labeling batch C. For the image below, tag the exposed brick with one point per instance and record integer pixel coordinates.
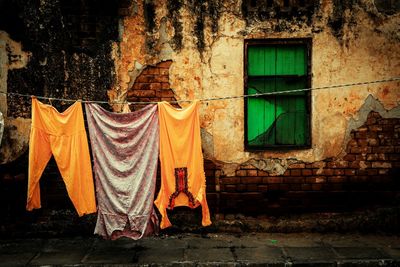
(263, 188)
(247, 167)
(252, 188)
(306, 172)
(316, 187)
(164, 72)
(354, 164)
(295, 187)
(262, 173)
(349, 172)
(337, 164)
(338, 172)
(140, 86)
(319, 164)
(295, 172)
(272, 180)
(383, 149)
(143, 93)
(251, 180)
(165, 93)
(165, 86)
(164, 64)
(251, 172)
(151, 70)
(318, 171)
(155, 86)
(376, 156)
(286, 173)
(394, 157)
(373, 141)
(379, 164)
(328, 171)
(306, 187)
(294, 180)
(230, 188)
(282, 187)
(241, 187)
(375, 128)
(230, 180)
(241, 173)
(297, 166)
(336, 179)
(350, 157)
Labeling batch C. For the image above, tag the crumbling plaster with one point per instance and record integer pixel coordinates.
(365, 48)
(16, 130)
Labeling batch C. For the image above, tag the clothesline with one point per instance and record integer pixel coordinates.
(212, 98)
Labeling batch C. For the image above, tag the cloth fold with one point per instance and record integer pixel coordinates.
(62, 135)
(183, 181)
(125, 154)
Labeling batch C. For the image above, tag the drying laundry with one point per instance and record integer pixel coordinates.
(62, 135)
(182, 171)
(125, 151)
(1, 126)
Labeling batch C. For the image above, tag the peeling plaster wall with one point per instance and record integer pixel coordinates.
(352, 41)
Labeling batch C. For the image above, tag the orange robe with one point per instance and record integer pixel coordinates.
(183, 182)
(62, 135)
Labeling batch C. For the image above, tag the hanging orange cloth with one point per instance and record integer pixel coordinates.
(183, 182)
(62, 135)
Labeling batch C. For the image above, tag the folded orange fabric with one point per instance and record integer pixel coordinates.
(183, 182)
(62, 135)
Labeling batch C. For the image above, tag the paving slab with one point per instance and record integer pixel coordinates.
(162, 243)
(160, 256)
(58, 258)
(302, 254)
(360, 253)
(259, 255)
(19, 252)
(110, 255)
(209, 255)
(209, 242)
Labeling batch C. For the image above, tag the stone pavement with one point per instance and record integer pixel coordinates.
(259, 249)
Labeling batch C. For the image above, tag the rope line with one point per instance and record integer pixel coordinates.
(212, 98)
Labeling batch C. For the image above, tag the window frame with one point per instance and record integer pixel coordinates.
(275, 41)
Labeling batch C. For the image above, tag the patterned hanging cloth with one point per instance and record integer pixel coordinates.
(125, 154)
(183, 182)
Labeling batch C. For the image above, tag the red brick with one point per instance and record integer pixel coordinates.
(295, 172)
(209, 173)
(272, 180)
(165, 86)
(316, 187)
(151, 70)
(362, 143)
(230, 188)
(142, 93)
(140, 86)
(337, 164)
(318, 171)
(354, 164)
(349, 172)
(164, 64)
(164, 72)
(328, 171)
(262, 173)
(380, 164)
(251, 180)
(252, 188)
(373, 141)
(286, 173)
(336, 179)
(338, 172)
(251, 172)
(306, 172)
(247, 167)
(319, 164)
(383, 149)
(263, 188)
(163, 79)
(394, 157)
(297, 166)
(283, 187)
(350, 157)
(165, 93)
(155, 86)
(293, 180)
(295, 187)
(375, 128)
(230, 180)
(241, 187)
(241, 173)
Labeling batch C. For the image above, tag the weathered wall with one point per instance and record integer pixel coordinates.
(59, 49)
(352, 42)
(131, 50)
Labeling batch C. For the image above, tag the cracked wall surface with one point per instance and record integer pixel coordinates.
(352, 41)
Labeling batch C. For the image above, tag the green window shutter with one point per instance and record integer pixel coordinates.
(280, 119)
